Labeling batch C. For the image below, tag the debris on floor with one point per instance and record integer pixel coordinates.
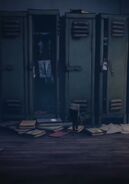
(31, 127)
(36, 133)
(111, 128)
(80, 128)
(125, 128)
(50, 128)
(27, 124)
(22, 131)
(58, 134)
(95, 131)
(52, 124)
(57, 128)
(49, 120)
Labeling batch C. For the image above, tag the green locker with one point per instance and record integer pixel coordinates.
(79, 63)
(43, 63)
(111, 67)
(13, 59)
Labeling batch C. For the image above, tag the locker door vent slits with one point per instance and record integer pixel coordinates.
(11, 27)
(116, 105)
(80, 29)
(118, 28)
(12, 106)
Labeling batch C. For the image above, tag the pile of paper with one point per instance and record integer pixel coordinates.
(111, 128)
(125, 128)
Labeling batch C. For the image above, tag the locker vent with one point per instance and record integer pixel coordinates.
(118, 28)
(116, 105)
(12, 106)
(80, 29)
(11, 27)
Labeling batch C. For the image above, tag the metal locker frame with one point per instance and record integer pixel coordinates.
(89, 19)
(7, 32)
(31, 12)
(110, 97)
(127, 104)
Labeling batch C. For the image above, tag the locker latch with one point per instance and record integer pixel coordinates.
(75, 68)
(6, 68)
(107, 65)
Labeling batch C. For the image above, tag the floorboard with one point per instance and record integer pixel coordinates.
(74, 158)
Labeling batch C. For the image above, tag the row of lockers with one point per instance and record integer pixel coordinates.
(48, 62)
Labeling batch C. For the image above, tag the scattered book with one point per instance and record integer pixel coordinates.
(27, 124)
(49, 120)
(59, 128)
(95, 131)
(125, 128)
(36, 133)
(58, 134)
(50, 128)
(113, 128)
(18, 130)
(104, 127)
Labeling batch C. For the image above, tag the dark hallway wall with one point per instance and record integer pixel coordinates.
(97, 6)
(124, 6)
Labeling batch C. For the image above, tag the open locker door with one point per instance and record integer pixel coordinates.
(43, 63)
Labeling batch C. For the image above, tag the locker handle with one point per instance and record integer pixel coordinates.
(34, 73)
(7, 68)
(30, 67)
(1, 68)
(105, 65)
(75, 68)
(110, 67)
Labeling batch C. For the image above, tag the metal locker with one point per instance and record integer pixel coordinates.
(111, 64)
(43, 63)
(79, 58)
(13, 59)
